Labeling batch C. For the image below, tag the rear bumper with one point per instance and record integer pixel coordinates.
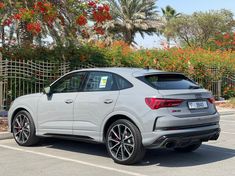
(159, 138)
(176, 128)
(186, 138)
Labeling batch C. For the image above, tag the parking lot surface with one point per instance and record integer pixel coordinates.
(56, 157)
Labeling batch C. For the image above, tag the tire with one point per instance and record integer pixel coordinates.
(124, 142)
(189, 148)
(23, 129)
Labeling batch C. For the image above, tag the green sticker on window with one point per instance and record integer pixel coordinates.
(103, 81)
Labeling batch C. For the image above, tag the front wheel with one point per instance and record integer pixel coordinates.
(23, 129)
(189, 148)
(124, 142)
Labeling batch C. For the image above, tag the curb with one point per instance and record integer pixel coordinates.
(5, 135)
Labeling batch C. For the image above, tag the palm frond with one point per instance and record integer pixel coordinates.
(133, 16)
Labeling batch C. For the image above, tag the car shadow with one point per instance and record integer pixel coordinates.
(159, 157)
(204, 155)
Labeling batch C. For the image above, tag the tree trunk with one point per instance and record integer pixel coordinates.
(128, 37)
(168, 41)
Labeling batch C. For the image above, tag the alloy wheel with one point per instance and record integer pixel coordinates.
(121, 142)
(21, 128)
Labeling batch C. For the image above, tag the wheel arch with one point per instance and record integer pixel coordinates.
(18, 109)
(114, 118)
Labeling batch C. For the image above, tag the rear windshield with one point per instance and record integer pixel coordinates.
(169, 81)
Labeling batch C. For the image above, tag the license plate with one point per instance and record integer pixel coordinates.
(198, 105)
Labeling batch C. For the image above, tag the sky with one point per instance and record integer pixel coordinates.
(187, 7)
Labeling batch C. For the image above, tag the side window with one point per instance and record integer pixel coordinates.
(100, 81)
(123, 83)
(69, 83)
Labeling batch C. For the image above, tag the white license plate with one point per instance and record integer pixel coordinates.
(198, 105)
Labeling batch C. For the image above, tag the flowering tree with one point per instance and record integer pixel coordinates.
(65, 21)
(224, 41)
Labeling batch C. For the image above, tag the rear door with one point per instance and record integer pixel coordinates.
(95, 102)
(177, 86)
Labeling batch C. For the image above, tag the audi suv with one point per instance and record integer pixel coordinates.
(127, 109)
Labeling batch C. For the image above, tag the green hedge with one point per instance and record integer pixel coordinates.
(202, 65)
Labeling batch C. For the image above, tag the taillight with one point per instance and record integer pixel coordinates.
(211, 100)
(156, 103)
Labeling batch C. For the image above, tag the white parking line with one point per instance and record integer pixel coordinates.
(73, 160)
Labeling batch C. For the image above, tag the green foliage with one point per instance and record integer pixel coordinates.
(229, 92)
(169, 13)
(195, 30)
(133, 16)
(202, 65)
(120, 54)
(222, 41)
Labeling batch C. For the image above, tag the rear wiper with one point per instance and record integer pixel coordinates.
(194, 87)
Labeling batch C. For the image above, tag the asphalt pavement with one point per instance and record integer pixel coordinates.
(56, 157)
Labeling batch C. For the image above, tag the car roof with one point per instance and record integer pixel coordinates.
(124, 71)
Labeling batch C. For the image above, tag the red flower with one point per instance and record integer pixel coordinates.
(7, 22)
(226, 36)
(99, 30)
(43, 7)
(2, 5)
(17, 16)
(101, 16)
(81, 20)
(218, 43)
(101, 8)
(92, 4)
(34, 28)
(106, 7)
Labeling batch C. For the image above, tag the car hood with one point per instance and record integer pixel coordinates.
(35, 95)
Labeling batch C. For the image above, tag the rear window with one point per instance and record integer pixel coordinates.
(169, 81)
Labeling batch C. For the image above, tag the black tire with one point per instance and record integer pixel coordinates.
(189, 148)
(28, 137)
(137, 151)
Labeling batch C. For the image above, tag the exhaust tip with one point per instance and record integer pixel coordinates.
(170, 144)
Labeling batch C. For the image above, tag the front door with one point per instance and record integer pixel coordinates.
(55, 112)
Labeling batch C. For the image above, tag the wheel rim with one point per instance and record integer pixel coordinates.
(121, 142)
(21, 128)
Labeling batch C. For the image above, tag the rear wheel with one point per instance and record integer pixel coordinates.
(124, 142)
(189, 148)
(24, 129)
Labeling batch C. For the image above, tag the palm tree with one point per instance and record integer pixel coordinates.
(133, 16)
(169, 13)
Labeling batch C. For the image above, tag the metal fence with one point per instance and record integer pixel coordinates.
(20, 77)
(23, 77)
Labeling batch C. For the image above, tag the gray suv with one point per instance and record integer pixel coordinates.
(128, 109)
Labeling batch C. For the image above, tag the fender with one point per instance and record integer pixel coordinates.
(22, 106)
(124, 113)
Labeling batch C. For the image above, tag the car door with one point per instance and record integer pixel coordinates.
(55, 112)
(95, 102)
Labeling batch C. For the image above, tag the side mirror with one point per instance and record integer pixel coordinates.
(47, 90)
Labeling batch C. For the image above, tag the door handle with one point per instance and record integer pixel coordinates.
(108, 101)
(69, 101)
